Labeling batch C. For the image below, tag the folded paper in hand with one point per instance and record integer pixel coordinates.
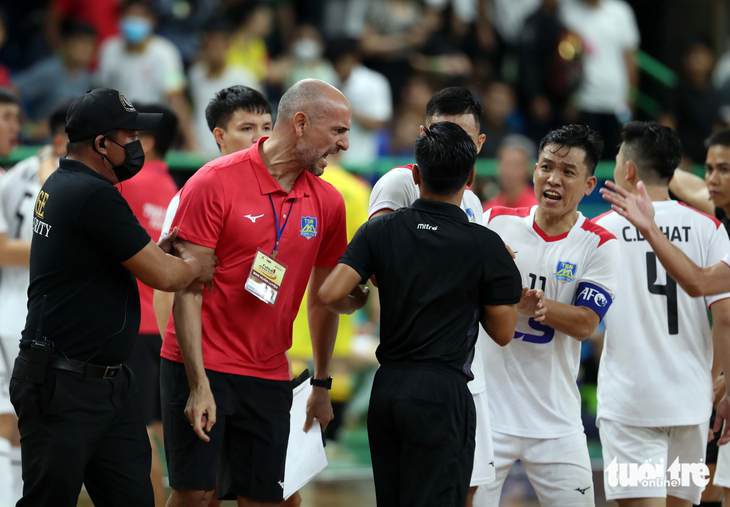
(305, 457)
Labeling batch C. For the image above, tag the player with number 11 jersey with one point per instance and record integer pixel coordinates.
(534, 402)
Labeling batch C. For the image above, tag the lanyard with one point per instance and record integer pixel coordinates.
(279, 231)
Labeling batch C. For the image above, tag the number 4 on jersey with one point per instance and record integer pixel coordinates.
(669, 290)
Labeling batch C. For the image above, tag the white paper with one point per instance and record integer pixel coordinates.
(305, 457)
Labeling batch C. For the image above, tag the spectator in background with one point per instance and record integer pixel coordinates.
(179, 21)
(394, 30)
(102, 15)
(397, 141)
(369, 94)
(537, 49)
(610, 38)
(148, 195)
(501, 116)
(210, 74)
(61, 77)
(307, 58)
(248, 45)
(514, 163)
(5, 79)
(508, 18)
(694, 107)
(145, 67)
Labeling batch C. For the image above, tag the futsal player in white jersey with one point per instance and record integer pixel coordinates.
(534, 402)
(395, 190)
(655, 382)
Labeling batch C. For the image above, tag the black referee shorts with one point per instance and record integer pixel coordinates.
(145, 364)
(247, 448)
(76, 431)
(421, 427)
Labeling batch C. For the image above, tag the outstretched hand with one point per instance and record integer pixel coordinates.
(637, 209)
(532, 305)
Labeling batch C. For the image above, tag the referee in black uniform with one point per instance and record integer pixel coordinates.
(438, 277)
(76, 402)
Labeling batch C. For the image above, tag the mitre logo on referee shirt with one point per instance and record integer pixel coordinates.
(565, 271)
(309, 227)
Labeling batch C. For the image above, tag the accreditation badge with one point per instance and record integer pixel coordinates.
(265, 277)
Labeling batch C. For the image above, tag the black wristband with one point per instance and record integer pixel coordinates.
(327, 384)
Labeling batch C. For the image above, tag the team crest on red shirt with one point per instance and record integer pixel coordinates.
(309, 227)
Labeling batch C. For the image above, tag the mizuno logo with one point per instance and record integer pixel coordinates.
(252, 218)
(583, 490)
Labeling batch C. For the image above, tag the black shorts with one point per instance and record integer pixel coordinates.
(145, 364)
(421, 427)
(247, 448)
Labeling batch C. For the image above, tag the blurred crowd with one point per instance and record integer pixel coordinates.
(534, 64)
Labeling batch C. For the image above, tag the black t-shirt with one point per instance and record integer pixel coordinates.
(83, 230)
(435, 270)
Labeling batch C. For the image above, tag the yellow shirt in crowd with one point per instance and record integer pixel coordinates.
(356, 193)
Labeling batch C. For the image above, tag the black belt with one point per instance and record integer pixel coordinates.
(88, 369)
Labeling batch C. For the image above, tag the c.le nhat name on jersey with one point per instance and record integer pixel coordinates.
(676, 233)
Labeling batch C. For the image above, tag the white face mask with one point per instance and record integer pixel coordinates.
(307, 50)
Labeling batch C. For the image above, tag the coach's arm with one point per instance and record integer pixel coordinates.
(186, 310)
(323, 309)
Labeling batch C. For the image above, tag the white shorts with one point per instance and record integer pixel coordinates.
(722, 469)
(8, 352)
(636, 444)
(558, 468)
(483, 471)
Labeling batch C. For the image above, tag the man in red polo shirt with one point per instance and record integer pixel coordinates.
(148, 194)
(274, 226)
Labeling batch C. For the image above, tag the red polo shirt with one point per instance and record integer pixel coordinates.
(226, 206)
(148, 194)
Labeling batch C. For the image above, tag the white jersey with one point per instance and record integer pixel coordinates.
(655, 367)
(532, 386)
(170, 215)
(18, 192)
(395, 190)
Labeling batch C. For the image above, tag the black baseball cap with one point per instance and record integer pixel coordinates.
(103, 109)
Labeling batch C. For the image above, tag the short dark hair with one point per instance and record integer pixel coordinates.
(454, 101)
(57, 120)
(445, 155)
(164, 133)
(7, 96)
(721, 137)
(126, 4)
(654, 148)
(218, 24)
(576, 136)
(75, 29)
(339, 47)
(229, 100)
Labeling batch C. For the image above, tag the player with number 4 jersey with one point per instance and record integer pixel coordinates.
(655, 381)
(534, 402)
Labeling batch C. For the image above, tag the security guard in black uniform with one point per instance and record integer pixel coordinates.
(76, 402)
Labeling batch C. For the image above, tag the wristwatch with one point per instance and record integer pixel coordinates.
(327, 384)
